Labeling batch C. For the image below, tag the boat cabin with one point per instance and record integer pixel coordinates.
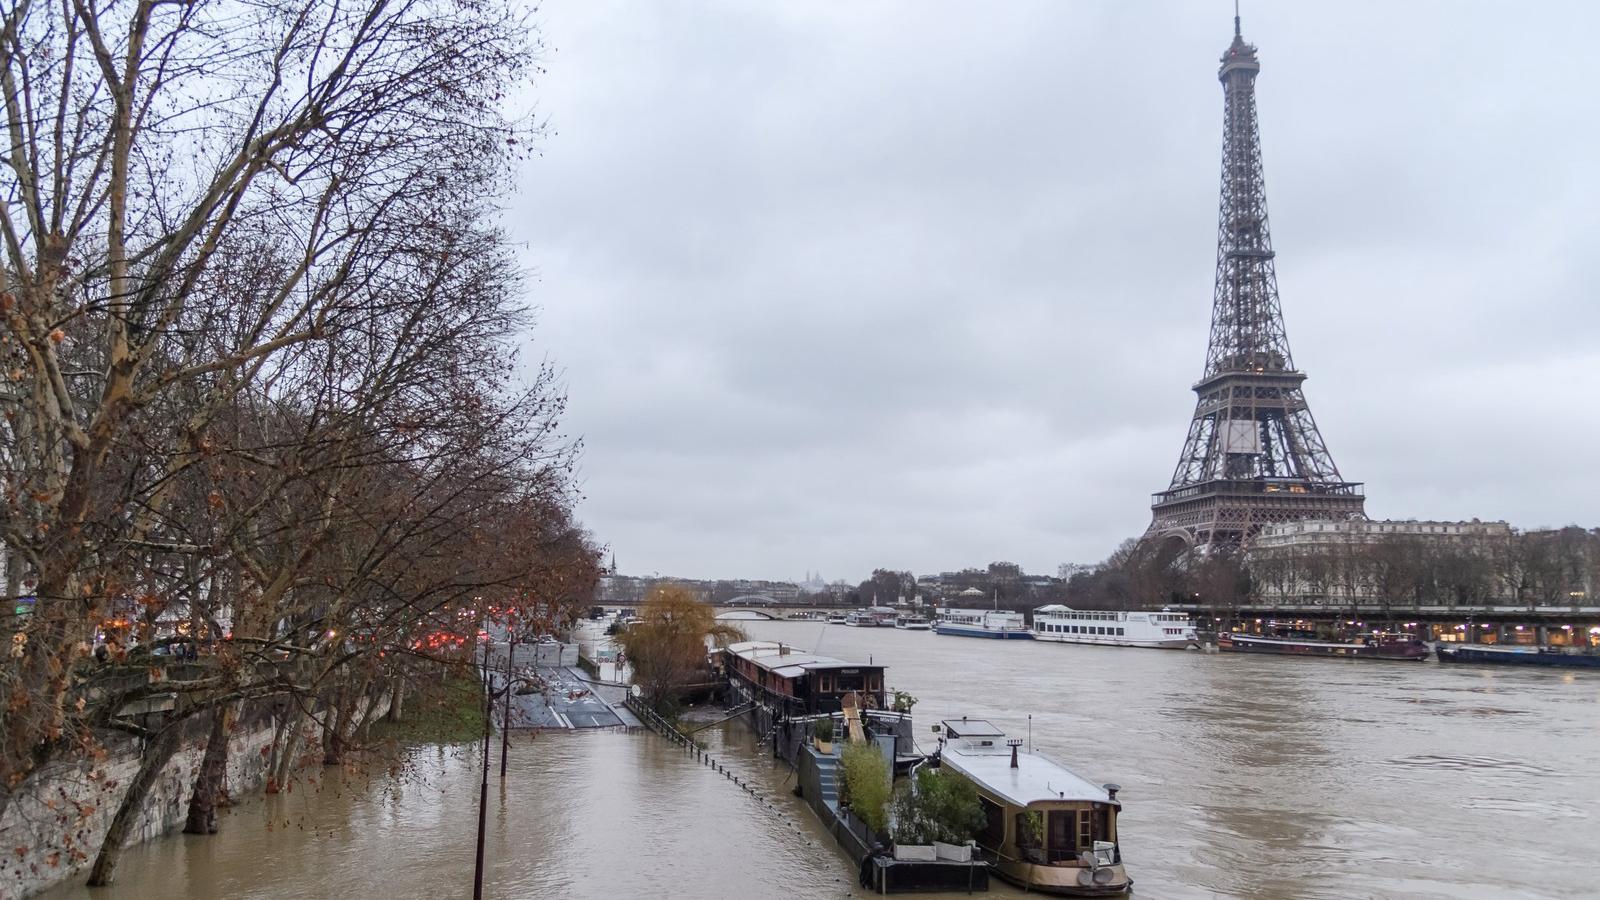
(1048, 829)
(797, 682)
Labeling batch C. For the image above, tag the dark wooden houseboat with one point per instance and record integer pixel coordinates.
(791, 682)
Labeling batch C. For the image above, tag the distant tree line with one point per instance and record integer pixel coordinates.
(1535, 568)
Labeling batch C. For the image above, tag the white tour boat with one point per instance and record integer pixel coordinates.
(871, 617)
(1047, 829)
(1115, 628)
(912, 623)
(984, 623)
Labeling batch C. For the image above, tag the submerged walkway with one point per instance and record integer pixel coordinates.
(568, 700)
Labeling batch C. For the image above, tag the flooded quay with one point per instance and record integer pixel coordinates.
(1242, 776)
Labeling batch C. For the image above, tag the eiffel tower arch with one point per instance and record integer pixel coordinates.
(1253, 455)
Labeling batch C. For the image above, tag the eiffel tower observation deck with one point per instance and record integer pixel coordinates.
(1254, 455)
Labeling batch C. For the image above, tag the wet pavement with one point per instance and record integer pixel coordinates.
(564, 697)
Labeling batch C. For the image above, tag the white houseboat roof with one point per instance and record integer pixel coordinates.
(786, 660)
(982, 755)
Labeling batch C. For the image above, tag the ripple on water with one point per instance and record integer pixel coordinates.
(1540, 807)
(1431, 761)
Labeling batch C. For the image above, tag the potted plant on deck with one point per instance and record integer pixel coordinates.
(941, 811)
(822, 734)
(913, 834)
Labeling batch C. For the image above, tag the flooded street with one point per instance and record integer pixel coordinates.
(1242, 776)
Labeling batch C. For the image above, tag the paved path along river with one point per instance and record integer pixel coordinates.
(1242, 776)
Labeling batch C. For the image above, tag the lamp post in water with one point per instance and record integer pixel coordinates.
(505, 723)
(483, 793)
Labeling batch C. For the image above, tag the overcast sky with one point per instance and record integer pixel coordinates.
(925, 285)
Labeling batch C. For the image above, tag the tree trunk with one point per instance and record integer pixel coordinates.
(156, 756)
(397, 693)
(285, 744)
(208, 782)
(333, 728)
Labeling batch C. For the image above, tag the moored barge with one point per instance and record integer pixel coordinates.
(1047, 829)
(1519, 656)
(1374, 646)
(790, 682)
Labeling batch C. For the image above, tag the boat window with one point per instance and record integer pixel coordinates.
(825, 685)
(1119, 630)
(1060, 839)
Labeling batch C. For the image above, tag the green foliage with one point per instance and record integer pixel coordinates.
(446, 712)
(941, 807)
(866, 784)
(822, 729)
(903, 702)
(1032, 825)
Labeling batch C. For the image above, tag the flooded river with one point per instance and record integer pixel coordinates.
(1242, 776)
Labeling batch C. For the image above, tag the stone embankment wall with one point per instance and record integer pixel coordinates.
(54, 828)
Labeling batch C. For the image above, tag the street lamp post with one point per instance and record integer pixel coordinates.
(505, 723)
(483, 792)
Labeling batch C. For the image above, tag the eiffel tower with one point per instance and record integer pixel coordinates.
(1254, 455)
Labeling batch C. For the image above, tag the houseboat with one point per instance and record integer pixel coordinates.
(1519, 656)
(1115, 628)
(913, 623)
(1047, 829)
(1377, 645)
(790, 682)
(984, 623)
(838, 619)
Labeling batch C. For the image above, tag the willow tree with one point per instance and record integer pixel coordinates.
(667, 647)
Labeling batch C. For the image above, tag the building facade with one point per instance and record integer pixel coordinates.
(1337, 562)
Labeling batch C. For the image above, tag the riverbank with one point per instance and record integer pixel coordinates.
(581, 815)
(445, 712)
(56, 824)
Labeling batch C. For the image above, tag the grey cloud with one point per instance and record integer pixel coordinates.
(925, 285)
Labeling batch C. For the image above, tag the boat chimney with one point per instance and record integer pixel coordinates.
(1111, 791)
(1014, 743)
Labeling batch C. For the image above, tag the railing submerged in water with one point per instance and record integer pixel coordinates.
(656, 723)
(653, 721)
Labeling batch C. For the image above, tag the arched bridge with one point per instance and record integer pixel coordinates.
(747, 607)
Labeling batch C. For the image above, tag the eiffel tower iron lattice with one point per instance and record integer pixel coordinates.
(1253, 456)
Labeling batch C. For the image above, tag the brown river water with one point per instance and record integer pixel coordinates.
(1242, 776)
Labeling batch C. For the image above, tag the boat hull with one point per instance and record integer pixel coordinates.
(1063, 881)
(1507, 657)
(1165, 644)
(1239, 643)
(980, 632)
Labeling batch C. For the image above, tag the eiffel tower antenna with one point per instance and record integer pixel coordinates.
(1254, 455)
